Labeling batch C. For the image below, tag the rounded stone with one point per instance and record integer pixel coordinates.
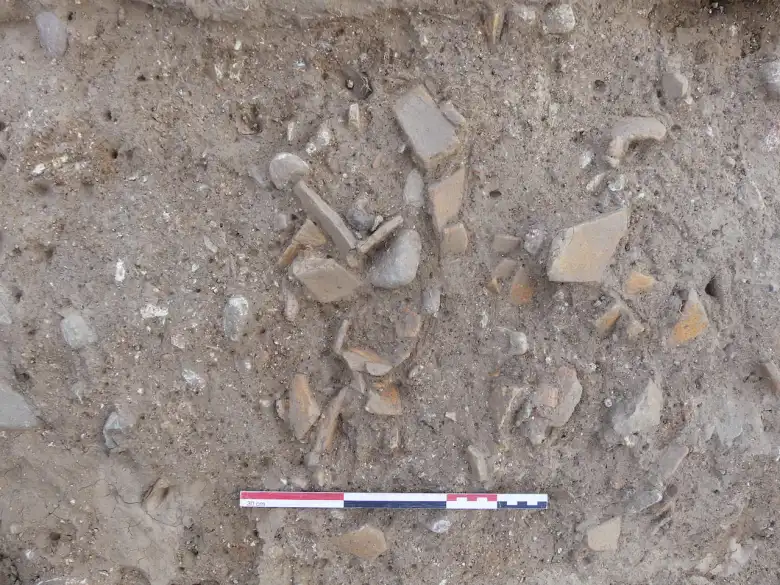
(397, 265)
(559, 20)
(287, 169)
(52, 34)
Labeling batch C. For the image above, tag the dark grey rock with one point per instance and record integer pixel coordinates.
(397, 265)
(53, 34)
(358, 217)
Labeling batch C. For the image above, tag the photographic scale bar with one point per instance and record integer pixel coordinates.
(250, 499)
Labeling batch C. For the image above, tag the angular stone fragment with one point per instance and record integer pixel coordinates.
(408, 325)
(432, 138)
(365, 360)
(670, 461)
(341, 336)
(303, 410)
(396, 266)
(354, 119)
(383, 232)
(453, 115)
(325, 279)
(504, 402)
(552, 405)
(235, 317)
(287, 169)
(445, 199)
(504, 270)
(505, 243)
(454, 240)
(606, 323)
(637, 283)
(413, 189)
(674, 85)
(367, 542)
(521, 291)
(309, 236)
(478, 463)
(325, 217)
(15, 412)
(6, 314)
(569, 394)
(693, 321)
(630, 130)
(326, 428)
(640, 413)
(431, 299)
(116, 428)
(605, 536)
(583, 252)
(384, 400)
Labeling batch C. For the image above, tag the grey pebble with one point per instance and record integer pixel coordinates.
(52, 34)
(674, 85)
(770, 75)
(534, 240)
(15, 413)
(235, 317)
(559, 20)
(413, 189)
(431, 299)
(358, 217)
(518, 343)
(287, 169)
(115, 428)
(397, 265)
(77, 333)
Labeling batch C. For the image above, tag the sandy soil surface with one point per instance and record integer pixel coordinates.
(149, 338)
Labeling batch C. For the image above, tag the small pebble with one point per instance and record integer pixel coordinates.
(440, 526)
(770, 75)
(413, 189)
(674, 85)
(518, 343)
(291, 306)
(77, 333)
(235, 317)
(358, 217)
(52, 33)
(559, 20)
(534, 240)
(431, 299)
(287, 169)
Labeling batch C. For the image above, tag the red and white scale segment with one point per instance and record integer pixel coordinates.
(251, 499)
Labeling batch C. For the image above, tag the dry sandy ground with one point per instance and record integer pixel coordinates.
(155, 132)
